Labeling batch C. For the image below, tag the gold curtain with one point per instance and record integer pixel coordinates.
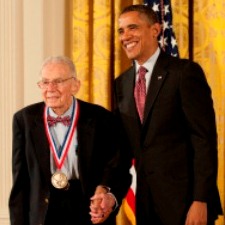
(91, 49)
(209, 52)
(95, 50)
(99, 59)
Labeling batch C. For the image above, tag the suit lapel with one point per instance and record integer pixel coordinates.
(129, 91)
(85, 137)
(158, 76)
(41, 144)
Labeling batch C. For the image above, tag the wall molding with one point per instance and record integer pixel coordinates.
(11, 95)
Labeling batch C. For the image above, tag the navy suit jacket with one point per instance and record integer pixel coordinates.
(100, 156)
(176, 146)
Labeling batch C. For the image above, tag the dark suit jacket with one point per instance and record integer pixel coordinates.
(176, 147)
(99, 157)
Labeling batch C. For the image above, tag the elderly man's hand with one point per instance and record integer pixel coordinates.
(101, 206)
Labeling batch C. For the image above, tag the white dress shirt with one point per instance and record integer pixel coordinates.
(149, 65)
(58, 133)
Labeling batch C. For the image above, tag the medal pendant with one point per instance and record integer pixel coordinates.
(60, 181)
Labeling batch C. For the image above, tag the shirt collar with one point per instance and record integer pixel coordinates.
(150, 62)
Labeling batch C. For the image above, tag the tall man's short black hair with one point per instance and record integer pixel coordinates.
(150, 14)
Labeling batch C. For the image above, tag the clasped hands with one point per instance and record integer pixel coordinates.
(101, 205)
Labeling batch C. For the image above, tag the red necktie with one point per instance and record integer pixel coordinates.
(140, 92)
(52, 120)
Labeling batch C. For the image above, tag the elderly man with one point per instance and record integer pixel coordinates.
(65, 151)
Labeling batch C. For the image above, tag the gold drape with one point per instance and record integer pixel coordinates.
(209, 52)
(180, 24)
(91, 49)
(98, 57)
(95, 50)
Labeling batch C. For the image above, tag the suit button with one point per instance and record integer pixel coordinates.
(46, 200)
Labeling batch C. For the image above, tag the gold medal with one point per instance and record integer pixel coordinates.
(59, 180)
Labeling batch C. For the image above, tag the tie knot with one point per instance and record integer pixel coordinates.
(142, 71)
(53, 120)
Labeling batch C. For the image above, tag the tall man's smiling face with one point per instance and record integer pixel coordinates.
(138, 36)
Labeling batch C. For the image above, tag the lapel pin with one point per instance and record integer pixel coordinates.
(159, 77)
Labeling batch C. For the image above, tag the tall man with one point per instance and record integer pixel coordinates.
(65, 151)
(166, 109)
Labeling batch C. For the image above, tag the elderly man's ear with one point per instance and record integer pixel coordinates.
(75, 86)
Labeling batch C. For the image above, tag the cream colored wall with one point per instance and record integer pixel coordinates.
(29, 32)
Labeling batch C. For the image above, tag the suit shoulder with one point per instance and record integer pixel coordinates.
(92, 108)
(89, 112)
(187, 67)
(177, 62)
(125, 73)
(31, 109)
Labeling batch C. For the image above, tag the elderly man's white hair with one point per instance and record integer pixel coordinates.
(60, 59)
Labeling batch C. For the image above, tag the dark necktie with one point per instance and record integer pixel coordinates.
(53, 120)
(140, 92)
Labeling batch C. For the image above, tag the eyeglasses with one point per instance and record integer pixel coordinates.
(43, 84)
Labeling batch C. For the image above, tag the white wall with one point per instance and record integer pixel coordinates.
(30, 30)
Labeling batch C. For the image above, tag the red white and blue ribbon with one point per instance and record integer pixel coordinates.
(60, 158)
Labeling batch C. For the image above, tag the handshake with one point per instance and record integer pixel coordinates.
(102, 204)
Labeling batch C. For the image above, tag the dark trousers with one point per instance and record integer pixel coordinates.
(154, 219)
(147, 212)
(68, 207)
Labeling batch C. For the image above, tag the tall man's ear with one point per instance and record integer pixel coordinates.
(156, 29)
(75, 86)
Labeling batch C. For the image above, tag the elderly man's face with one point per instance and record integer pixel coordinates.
(60, 87)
